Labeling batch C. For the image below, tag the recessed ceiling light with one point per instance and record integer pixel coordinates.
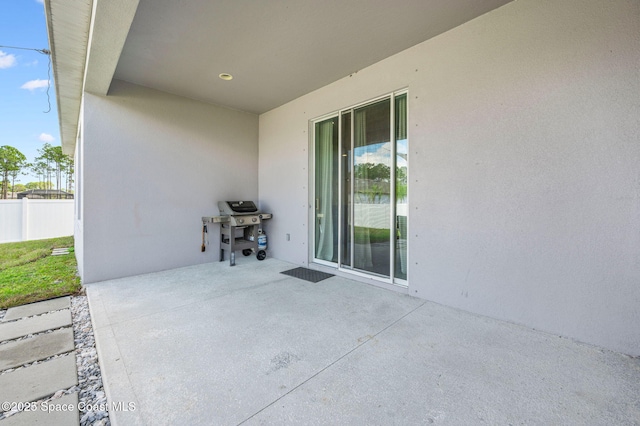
(225, 76)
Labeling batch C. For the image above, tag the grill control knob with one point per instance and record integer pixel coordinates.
(240, 220)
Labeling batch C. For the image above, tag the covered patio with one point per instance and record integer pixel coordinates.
(211, 344)
(519, 145)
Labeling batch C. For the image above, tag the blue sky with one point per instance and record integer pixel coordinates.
(23, 80)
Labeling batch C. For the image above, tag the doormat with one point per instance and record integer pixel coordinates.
(307, 274)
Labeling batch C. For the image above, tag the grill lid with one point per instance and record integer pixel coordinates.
(237, 207)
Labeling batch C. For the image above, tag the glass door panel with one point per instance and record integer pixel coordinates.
(401, 165)
(346, 229)
(326, 190)
(372, 188)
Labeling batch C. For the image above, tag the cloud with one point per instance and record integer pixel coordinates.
(7, 60)
(375, 153)
(381, 153)
(40, 1)
(35, 84)
(45, 137)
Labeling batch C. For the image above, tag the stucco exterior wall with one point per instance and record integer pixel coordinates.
(78, 165)
(524, 191)
(158, 164)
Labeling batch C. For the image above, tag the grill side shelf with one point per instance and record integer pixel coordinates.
(215, 219)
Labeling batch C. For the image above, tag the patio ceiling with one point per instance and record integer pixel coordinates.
(275, 50)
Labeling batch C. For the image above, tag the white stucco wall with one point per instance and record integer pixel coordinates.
(524, 156)
(154, 164)
(78, 231)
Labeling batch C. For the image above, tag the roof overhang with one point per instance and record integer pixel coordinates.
(277, 51)
(76, 28)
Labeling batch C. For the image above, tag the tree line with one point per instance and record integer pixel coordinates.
(50, 165)
(375, 181)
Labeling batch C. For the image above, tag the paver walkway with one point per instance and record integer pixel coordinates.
(26, 337)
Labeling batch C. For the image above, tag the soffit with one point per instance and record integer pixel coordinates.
(68, 29)
(276, 50)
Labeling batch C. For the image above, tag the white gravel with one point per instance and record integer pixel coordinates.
(91, 390)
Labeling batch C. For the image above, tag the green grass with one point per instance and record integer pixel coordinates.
(371, 235)
(29, 274)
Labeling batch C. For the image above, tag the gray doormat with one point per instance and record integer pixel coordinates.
(307, 274)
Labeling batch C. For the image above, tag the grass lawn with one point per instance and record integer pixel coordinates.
(371, 235)
(28, 272)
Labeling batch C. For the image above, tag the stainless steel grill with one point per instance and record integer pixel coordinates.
(240, 228)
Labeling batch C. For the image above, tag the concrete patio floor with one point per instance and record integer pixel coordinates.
(212, 344)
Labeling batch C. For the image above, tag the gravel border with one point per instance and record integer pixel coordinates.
(91, 395)
(89, 373)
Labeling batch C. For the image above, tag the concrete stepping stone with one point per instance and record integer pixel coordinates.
(54, 414)
(37, 308)
(38, 381)
(25, 326)
(15, 354)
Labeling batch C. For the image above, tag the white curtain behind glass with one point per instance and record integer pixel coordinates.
(324, 190)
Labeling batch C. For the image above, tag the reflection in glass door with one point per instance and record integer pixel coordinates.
(371, 194)
(361, 189)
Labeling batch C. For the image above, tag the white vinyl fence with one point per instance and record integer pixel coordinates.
(376, 215)
(25, 219)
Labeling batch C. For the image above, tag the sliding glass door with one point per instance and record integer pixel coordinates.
(361, 188)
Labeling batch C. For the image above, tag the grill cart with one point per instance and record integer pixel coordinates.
(240, 229)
